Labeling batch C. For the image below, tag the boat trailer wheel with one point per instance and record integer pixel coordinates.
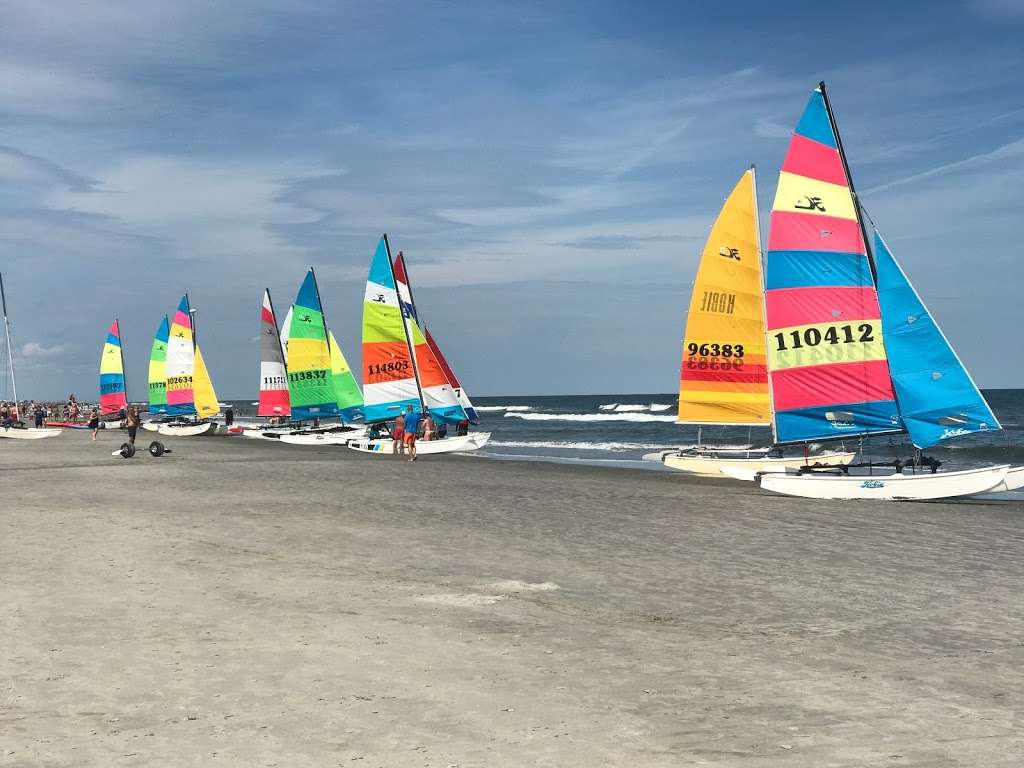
(127, 450)
(156, 448)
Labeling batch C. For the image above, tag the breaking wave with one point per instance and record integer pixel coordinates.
(578, 445)
(493, 408)
(607, 416)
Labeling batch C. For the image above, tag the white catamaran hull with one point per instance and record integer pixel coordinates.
(892, 487)
(336, 437)
(267, 433)
(748, 467)
(187, 430)
(426, 447)
(31, 433)
(1014, 481)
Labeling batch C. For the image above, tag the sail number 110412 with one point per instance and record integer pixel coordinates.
(834, 334)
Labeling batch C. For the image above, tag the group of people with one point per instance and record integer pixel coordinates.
(412, 426)
(37, 413)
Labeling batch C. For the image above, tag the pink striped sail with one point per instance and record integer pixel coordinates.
(274, 400)
(828, 368)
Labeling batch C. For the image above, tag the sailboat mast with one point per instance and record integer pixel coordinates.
(120, 350)
(277, 329)
(849, 180)
(764, 280)
(405, 325)
(10, 352)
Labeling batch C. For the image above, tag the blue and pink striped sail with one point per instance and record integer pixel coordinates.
(113, 396)
(828, 368)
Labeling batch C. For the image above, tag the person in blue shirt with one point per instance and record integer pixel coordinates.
(412, 425)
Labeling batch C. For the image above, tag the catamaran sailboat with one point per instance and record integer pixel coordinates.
(723, 378)
(853, 351)
(399, 367)
(189, 388)
(113, 390)
(320, 383)
(18, 431)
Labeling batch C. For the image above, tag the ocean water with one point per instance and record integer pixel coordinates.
(618, 429)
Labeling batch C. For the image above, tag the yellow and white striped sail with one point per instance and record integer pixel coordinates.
(724, 378)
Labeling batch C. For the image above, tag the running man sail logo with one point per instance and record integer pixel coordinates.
(729, 253)
(813, 204)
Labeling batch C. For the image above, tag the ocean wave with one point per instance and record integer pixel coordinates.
(493, 408)
(607, 416)
(579, 445)
(655, 407)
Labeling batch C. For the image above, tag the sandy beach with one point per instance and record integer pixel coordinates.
(245, 604)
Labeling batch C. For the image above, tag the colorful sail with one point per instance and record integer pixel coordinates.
(828, 369)
(158, 369)
(181, 358)
(453, 380)
(437, 393)
(286, 328)
(113, 396)
(273, 374)
(206, 403)
(346, 390)
(724, 376)
(310, 386)
(389, 376)
(936, 395)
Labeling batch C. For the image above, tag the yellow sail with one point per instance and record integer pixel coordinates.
(724, 376)
(202, 388)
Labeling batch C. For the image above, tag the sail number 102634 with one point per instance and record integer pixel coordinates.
(834, 334)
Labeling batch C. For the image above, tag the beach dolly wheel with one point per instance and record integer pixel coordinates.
(156, 448)
(127, 450)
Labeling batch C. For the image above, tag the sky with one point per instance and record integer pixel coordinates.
(550, 169)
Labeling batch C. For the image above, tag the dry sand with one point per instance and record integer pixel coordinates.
(245, 604)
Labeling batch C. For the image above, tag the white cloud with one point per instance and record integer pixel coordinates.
(34, 349)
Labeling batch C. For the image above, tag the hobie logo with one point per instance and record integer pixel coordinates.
(729, 253)
(872, 484)
(813, 204)
(380, 299)
(947, 433)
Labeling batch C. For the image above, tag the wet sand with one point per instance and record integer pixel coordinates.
(246, 604)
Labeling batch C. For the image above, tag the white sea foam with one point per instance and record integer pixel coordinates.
(655, 407)
(613, 416)
(493, 408)
(608, 407)
(578, 445)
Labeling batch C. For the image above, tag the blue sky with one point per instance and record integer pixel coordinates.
(550, 169)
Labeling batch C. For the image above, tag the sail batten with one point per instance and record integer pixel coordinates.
(113, 395)
(723, 376)
(937, 397)
(829, 369)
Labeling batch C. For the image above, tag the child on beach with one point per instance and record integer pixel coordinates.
(94, 422)
(398, 435)
(133, 423)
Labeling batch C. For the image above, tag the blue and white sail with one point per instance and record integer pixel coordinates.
(937, 398)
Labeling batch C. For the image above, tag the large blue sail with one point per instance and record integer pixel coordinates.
(937, 397)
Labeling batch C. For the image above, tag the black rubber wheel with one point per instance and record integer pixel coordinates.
(127, 450)
(156, 448)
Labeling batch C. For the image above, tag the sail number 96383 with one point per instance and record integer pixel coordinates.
(714, 350)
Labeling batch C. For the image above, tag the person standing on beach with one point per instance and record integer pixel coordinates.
(398, 435)
(94, 423)
(412, 424)
(133, 423)
(428, 426)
